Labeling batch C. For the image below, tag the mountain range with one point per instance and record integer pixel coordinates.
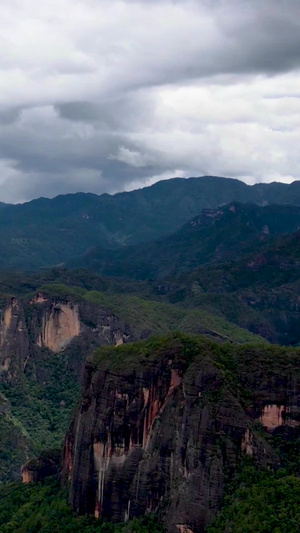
(216, 235)
(139, 372)
(45, 232)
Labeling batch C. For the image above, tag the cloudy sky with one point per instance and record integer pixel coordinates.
(111, 95)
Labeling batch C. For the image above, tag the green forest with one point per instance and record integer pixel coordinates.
(160, 327)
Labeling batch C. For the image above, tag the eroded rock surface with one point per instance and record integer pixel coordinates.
(28, 328)
(46, 464)
(45, 340)
(14, 339)
(158, 436)
(60, 326)
(273, 416)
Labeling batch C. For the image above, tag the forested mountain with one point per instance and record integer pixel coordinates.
(46, 232)
(46, 337)
(141, 372)
(259, 292)
(169, 424)
(223, 234)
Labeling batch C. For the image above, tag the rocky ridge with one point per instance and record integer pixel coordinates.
(52, 323)
(163, 425)
(44, 342)
(45, 338)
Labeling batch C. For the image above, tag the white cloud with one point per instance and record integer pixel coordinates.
(109, 94)
(131, 157)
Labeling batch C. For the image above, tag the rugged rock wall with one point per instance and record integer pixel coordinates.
(161, 435)
(60, 327)
(46, 464)
(27, 328)
(44, 341)
(14, 339)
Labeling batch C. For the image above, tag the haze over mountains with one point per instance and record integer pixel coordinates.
(234, 259)
(45, 232)
(223, 234)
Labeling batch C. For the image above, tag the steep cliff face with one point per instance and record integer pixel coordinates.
(60, 327)
(46, 464)
(162, 427)
(14, 339)
(44, 342)
(45, 339)
(27, 328)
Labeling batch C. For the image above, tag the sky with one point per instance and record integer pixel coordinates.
(111, 95)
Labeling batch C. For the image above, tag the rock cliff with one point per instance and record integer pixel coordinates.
(14, 339)
(28, 328)
(44, 342)
(163, 425)
(46, 464)
(45, 338)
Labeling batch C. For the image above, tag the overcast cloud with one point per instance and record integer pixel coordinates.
(109, 95)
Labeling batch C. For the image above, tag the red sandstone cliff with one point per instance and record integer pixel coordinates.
(158, 433)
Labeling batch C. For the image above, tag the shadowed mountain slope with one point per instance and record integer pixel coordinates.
(223, 234)
(45, 232)
(163, 425)
(45, 338)
(259, 292)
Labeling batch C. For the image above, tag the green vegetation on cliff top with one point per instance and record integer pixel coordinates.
(240, 362)
(152, 317)
(37, 406)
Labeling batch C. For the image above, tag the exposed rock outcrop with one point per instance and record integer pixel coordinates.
(14, 339)
(60, 326)
(29, 327)
(273, 416)
(46, 464)
(44, 341)
(160, 431)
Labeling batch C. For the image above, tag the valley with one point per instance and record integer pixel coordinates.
(149, 360)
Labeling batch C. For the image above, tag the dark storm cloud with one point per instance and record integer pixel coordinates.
(263, 37)
(121, 113)
(108, 95)
(8, 116)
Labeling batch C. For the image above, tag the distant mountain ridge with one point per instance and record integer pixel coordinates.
(167, 417)
(223, 234)
(45, 232)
